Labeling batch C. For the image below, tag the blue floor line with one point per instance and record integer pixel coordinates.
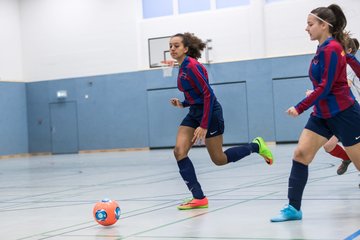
(353, 236)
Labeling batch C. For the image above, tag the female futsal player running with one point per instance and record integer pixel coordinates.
(204, 122)
(332, 147)
(335, 110)
(354, 81)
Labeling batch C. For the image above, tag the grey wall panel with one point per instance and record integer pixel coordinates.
(290, 81)
(39, 127)
(260, 95)
(227, 72)
(112, 112)
(154, 78)
(285, 67)
(163, 118)
(234, 103)
(13, 119)
(287, 93)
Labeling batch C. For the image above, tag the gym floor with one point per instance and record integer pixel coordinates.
(52, 197)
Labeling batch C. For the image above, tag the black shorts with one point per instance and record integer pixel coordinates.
(344, 125)
(216, 126)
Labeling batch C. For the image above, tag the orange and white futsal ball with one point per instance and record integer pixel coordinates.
(106, 212)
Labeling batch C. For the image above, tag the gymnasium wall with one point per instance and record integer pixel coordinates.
(285, 24)
(66, 38)
(132, 110)
(10, 42)
(111, 112)
(97, 51)
(13, 119)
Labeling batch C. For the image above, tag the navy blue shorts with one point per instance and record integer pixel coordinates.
(193, 119)
(345, 126)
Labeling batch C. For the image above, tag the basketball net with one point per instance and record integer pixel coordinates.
(167, 67)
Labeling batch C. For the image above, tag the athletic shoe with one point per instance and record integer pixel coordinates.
(288, 213)
(343, 167)
(264, 150)
(193, 204)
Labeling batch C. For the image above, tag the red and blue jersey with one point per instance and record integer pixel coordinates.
(354, 64)
(327, 73)
(193, 81)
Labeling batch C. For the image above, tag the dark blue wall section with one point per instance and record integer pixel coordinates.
(288, 128)
(38, 116)
(112, 111)
(233, 99)
(13, 125)
(290, 81)
(260, 95)
(164, 119)
(114, 114)
(132, 110)
(286, 67)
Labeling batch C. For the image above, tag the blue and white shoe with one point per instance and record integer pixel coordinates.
(288, 213)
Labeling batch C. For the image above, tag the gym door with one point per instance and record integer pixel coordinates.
(64, 128)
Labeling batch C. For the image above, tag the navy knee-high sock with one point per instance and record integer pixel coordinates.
(236, 153)
(297, 181)
(187, 172)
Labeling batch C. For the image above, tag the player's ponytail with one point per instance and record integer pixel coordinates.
(338, 31)
(335, 18)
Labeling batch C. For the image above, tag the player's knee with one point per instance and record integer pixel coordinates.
(298, 154)
(219, 160)
(179, 153)
(301, 155)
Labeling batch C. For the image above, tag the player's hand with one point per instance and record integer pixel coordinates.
(308, 92)
(292, 112)
(176, 102)
(199, 135)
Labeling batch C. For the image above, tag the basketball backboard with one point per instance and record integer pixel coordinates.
(158, 51)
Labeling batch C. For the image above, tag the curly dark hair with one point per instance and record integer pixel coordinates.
(194, 44)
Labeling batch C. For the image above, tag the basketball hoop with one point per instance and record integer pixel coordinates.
(167, 67)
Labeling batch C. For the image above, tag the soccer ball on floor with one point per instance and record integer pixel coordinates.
(106, 212)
